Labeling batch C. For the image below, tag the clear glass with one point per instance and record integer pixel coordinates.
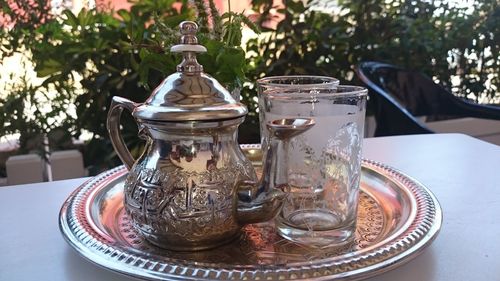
(324, 163)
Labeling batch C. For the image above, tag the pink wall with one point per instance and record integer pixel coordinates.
(221, 4)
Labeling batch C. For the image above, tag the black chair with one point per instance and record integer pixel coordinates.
(399, 95)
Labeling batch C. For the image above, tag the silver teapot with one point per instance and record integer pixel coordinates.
(193, 188)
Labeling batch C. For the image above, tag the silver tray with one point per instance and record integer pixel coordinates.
(397, 218)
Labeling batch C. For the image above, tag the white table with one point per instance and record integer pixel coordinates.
(463, 172)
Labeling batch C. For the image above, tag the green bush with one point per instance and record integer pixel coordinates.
(90, 57)
(430, 36)
(124, 53)
(86, 59)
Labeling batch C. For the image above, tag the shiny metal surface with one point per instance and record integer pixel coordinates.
(196, 191)
(192, 188)
(118, 104)
(182, 97)
(189, 94)
(397, 219)
(188, 47)
(264, 202)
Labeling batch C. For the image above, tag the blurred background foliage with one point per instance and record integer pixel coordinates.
(445, 41)
(89, 57)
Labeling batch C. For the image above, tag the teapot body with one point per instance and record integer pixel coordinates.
(182, 192)
(192, 188)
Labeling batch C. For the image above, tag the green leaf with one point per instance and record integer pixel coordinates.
(48, 67)
(296, 7)
(232, 57)
(71, 19)
(124, 14)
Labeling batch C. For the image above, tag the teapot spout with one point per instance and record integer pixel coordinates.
(262, 207)
(259, 202)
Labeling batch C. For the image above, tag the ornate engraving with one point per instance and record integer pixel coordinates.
(181, 203)
(262, 245)
(323, 188)
(116, 245)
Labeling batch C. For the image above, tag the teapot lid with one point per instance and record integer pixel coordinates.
(189, 94)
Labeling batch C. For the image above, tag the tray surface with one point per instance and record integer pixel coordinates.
(397, 218)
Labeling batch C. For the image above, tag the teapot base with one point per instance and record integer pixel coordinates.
(168, 243)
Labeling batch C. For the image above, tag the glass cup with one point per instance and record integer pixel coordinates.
(324, 163)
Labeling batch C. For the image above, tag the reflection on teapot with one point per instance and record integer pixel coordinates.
(193, 188)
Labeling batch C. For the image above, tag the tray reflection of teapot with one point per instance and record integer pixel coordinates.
(193, 188)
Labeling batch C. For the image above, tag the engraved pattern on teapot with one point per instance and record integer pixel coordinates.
(168, 202)
(193, 188)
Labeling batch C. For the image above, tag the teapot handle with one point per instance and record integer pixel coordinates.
(113, 125)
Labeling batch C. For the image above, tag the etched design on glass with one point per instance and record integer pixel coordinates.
(322, 191)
